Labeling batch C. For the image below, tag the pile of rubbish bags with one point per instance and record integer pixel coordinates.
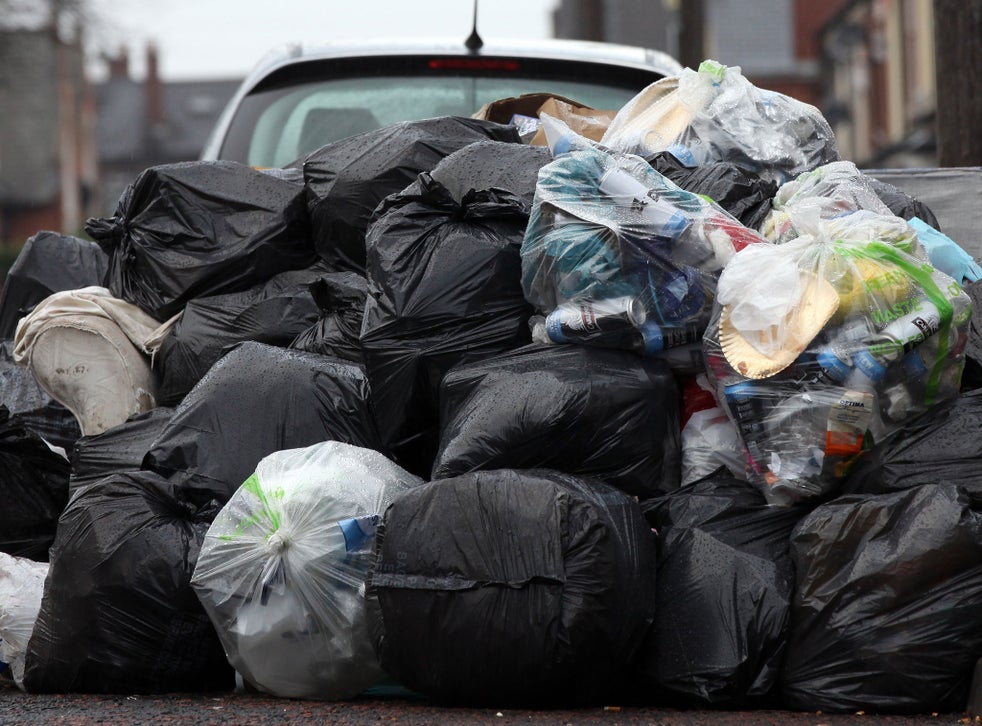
(684, 411)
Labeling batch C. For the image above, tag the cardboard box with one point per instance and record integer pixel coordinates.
(586, 121)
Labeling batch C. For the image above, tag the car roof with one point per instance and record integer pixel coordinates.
(551, 49)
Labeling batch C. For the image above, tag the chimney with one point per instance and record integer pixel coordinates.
(152, 91)
(119, 64)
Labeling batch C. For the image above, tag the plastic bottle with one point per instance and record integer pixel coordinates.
(833, 362)
(749, 404)
(618, 323)
(656, 217)
(898, 338)
(657, 339)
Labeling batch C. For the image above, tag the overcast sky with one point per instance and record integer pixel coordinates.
(224, 38)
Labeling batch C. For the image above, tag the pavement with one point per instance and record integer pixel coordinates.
(245, 709)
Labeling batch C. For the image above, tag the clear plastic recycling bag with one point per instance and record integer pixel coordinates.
(822, 346)
(835, 189)
(282, 569)
(716, 114)
(840, 188)
(616, 255)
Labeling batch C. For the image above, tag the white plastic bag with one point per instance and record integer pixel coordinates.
(282, 569)
(710, 440)
(21, 587)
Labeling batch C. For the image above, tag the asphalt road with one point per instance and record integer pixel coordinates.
(244, 709)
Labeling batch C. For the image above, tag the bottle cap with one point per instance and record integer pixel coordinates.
(833, 366)
(654, 341)
(554, 327)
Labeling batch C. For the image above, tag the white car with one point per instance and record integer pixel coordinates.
(298, 99)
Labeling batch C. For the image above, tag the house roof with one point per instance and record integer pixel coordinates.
(125, 135)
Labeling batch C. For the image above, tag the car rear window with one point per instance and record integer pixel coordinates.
(278, 125)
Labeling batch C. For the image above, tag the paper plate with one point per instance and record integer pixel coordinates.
(819, 301)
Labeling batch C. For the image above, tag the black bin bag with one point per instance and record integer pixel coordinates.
(347, 179)
(33, 489)
(118, 614)
(512, 588)
(742, 193)
(199, 228)
(607, 414)
(255, 400)
(493, 165)
(49, 262)
(902, 204)
(273, 312)
(724, 587)
(31, 405)
(887, 612)
(944, 444)
(340, 299)
(444, 288)
(118, 449)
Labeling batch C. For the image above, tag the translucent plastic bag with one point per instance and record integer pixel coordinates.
(616, 255)
(835, 189)
(21, 586)
(825, 344)
(716, 114)
(282, 569)
(840, 188)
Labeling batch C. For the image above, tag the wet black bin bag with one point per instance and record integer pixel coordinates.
(198, 228)
(347, 179)
(725, 581)
(608, 414)
(512, 588)
(444, 288)
(887, 611)
(118, 614)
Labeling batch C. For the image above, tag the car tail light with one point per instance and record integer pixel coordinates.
(474, 64)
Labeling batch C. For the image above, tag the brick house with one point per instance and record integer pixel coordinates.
(879, 66)
(48, 169)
